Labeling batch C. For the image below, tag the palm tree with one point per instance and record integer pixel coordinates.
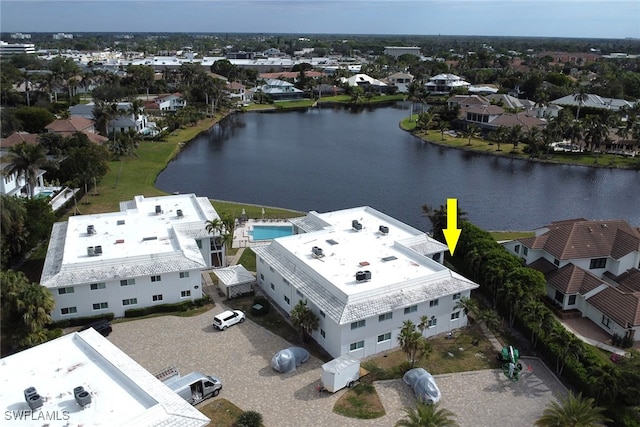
(539, 319)
(515, 135)
(303, 318)
(412, 95)
(580, 98)
(411, 341)
(491, 319)
(215, 226)
(427, 415)
(468, 306)
(470, 132)
(13, 214)
(572, 411)
(26, 160)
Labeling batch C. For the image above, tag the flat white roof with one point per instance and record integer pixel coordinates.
(122, 392)
(139, 240)
(402, 271)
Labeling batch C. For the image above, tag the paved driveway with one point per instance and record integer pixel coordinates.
(241, 357)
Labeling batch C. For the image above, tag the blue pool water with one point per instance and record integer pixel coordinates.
(270, 232)
(44, 194)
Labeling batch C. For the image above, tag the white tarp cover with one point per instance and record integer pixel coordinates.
(287, 360)
(423, 385)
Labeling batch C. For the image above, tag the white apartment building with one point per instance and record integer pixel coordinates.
(397, 51)
(442, 84)
(363, 273)
(149, 253)
(83, 379)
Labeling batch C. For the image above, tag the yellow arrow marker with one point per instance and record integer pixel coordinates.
(452, 232)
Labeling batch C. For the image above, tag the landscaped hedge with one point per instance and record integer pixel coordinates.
(80, 321)
(166, 308)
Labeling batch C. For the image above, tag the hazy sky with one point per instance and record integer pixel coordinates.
(554, 18)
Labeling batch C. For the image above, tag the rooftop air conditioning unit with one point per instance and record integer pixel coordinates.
(360, 276)
(83, 398)
(384, 229)
(91, 251)
(34, 400)
(97, 250)
(91, 229)
(158, 209)
(356, 225)
(179, 213)
(367, 275)
(317, 252)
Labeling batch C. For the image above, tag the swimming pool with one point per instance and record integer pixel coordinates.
(43, 194)
(270, 232)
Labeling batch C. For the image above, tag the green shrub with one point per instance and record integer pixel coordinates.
(135, 312)
(249, 419)
(80, 321)
(200, 302)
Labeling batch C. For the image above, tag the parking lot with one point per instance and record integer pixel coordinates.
(241, 357)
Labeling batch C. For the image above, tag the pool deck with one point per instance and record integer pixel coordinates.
(241, 237)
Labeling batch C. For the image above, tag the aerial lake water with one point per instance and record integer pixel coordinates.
(332, 158)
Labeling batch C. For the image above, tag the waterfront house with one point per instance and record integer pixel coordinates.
(443, 84)
(363, 273)
(592, 269)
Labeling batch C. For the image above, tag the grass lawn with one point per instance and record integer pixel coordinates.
(248, 260)
(361, 401)
(253, 211)
(221, 412)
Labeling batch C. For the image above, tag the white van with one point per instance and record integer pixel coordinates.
(227, 318)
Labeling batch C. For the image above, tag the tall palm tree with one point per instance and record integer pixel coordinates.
(216, 227)
(470, 132)
(427, 415)
(412, 96)
(572, 411)
(515, 135)
(303, 318)
(26, 160)
(468, 306)
(580, 98)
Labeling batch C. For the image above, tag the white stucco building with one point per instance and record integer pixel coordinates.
(442, 84)
(118, 391)
(363, 273)
(149, 253)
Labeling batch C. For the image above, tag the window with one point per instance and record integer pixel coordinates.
(100, 306)
(433, 303)
(322, 333)
(436, 257)
(130, 301)
(358, 324)
(157, 297)
(68, 310)
(261, 261)
(386, 316)
(556, 261)
(155, 279)
(287, 300)
(456, 296)
(384, 337)
(517, 249)
(322, 314)
(525, 251)
(572, 300)
(184, 274)
(597, 263)
(432, 322)
(411, 309)
(271, 269)
(199, 243)
(62, 291)
(606, 321)
(273, 287)
(299, 294)
(96, 286)
(455, 315)
(261, 276)
(184, 294)
(285, 281)
(127, 282)
(559, 297)
(356, 345)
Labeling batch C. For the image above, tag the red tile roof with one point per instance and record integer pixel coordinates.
(579, 238)
(95, 138)
(522, 119)
(71, 125)
(619, 304)
(18, 138)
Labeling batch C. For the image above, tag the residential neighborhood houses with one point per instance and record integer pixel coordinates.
(364, 274)
(592, 269)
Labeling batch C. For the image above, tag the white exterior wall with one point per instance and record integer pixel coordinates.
(338, 338)
(170, 287)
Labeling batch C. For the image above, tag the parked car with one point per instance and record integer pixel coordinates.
(227, 318)
(102, 326)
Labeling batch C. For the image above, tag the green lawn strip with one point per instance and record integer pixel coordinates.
(362, 401)
(253, 211)
(221, 412)
(248, 260)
